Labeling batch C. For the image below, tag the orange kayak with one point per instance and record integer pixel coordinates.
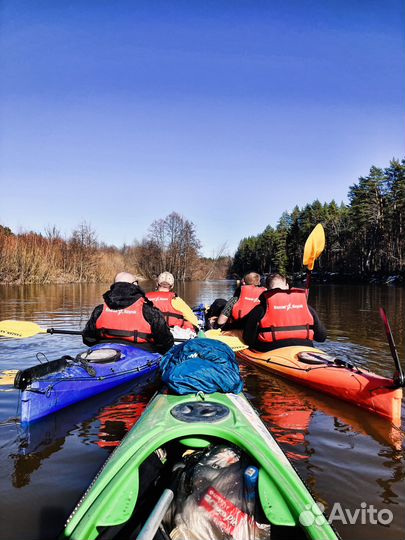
(318, 370)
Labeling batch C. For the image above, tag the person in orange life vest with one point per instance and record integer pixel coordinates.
(245, 298)
(174, 309)
(129, 317)
(283, 318)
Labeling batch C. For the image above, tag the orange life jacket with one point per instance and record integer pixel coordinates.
(128, 323)
(248, 299)
(163, 301)
(287, 316)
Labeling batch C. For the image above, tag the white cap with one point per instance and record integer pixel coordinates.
(166, 277)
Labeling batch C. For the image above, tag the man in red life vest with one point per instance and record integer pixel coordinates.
(128, 316)
(283, 318)
(242, 302)
(175, 311)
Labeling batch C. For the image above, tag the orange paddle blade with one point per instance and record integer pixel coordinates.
(314, 246)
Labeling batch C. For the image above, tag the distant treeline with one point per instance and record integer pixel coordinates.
(171, 244)
(364, 238)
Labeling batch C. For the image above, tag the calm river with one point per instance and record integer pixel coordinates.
(346, 456)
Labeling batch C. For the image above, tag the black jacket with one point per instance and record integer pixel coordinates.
(251, 332)
(120, 296)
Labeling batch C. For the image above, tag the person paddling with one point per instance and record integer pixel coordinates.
(282, 318)
(245, 298)
(175, 311)
(128, 316)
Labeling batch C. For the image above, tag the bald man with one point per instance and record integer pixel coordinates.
(127, 316)
(241, 304)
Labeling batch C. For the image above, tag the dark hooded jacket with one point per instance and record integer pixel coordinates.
(120, 296)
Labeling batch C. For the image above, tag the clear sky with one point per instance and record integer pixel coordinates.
(228, 112)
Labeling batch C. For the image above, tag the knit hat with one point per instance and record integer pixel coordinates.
(166, 277)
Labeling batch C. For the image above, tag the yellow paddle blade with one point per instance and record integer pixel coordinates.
(233, 342)
(20, 329)
(7, 377)
(314, 246)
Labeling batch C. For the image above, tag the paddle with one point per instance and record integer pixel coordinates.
(313, 248)
(7, 377)
(398, 377)
(25, 329)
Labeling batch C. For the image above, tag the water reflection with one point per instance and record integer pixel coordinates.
(102, 420)
(288, 409)
(344, 454)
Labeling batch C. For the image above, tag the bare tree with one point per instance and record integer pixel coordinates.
(172, 245)
(83, 248)
(215, 260)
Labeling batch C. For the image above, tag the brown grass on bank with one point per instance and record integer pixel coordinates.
(33, 258)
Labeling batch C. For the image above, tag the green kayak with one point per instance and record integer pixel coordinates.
(198, 467)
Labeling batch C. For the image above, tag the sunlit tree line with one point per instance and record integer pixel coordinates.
(364, 237)
(170, 244)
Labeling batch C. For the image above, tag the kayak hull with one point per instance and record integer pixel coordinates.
(76, 382)
(360, 387)
(112, 498)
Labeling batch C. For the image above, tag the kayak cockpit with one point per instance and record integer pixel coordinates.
(211, 498)
(228, 477)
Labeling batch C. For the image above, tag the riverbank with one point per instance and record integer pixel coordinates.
(347, 277)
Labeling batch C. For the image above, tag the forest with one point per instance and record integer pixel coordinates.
(364, 238)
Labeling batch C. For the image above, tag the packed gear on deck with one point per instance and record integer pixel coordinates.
(201, 365)
(286, 316)
(163, 301)
(248, 299)
(128, 324)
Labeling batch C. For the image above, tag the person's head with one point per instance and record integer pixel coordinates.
(252, 279)
(277, 281)
(125, 277)
(165, 281)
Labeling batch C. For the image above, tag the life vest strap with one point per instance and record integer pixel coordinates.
(175, 315)
(125, 333)
(274, 329)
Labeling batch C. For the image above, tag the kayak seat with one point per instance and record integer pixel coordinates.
(273, 504)
(99, 356)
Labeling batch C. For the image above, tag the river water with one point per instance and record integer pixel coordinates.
(346, 456)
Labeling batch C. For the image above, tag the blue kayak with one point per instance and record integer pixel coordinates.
(51, 386)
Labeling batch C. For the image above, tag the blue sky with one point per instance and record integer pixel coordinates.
(228, 112)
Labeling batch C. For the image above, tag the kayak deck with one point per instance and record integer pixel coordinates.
(118, 501)
(339, 379)
(52, 386)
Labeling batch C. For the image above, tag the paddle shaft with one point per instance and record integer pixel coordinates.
(398, 375)
(66, 332)
(308, 282)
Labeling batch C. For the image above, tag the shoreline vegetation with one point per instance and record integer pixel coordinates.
(365, 242)
(365, 239)
(41, 258)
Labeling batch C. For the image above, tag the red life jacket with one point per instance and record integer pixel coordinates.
(248, 299)
(163, 301)
(287, 316)
(128, 323)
